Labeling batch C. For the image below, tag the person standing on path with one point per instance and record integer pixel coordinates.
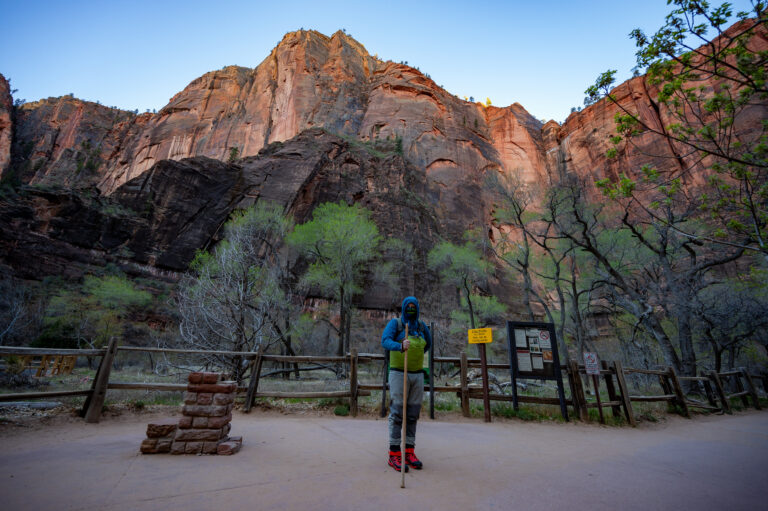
(419, 341)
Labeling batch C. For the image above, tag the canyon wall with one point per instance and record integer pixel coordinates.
(319, 119)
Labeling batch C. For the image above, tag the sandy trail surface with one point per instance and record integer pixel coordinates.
(315, 463)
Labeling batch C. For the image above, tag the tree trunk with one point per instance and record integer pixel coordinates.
(342, 319)
(653, 327)
(718, 359)
(469, 304)
(685, 341)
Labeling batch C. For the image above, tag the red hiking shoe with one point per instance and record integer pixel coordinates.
(411, 459)
(395, 460)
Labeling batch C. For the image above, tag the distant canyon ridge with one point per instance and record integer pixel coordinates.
(320, 119)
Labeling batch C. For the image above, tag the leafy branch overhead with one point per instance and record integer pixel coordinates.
(710, 88)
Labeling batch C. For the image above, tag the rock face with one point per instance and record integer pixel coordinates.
(66, 141)
(153, 224)
(309, 80)
(319, 119)
(6, 113)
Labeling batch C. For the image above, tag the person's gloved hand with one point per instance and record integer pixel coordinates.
(406, 343)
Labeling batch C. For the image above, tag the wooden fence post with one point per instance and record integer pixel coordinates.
(720, 392)
(95, 402)
(615, 410)
(740, 389)
(751, 388)
(353, 382)
(579, 401)
(254, 383)
(619, 371)
(432, 372)
(707, 384)
(464, 385)
(678, 390)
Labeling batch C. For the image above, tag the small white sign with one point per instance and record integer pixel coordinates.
(524, 361)
(591, 363)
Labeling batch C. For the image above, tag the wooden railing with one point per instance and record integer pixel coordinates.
(612, 376)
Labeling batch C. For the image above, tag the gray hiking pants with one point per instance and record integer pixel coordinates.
(413, 409)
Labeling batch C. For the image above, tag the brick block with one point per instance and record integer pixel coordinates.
(231, 446)
(219, 422)
(148, 446)
(164, 445)
(193, 448)
(178, 447)
(210, 447)
(223, 399)
(185, 422)
(211, 377)
(204, 398)
(204, 410)
(214, 388)
(199, 435)
(200, 422)
(195, 378)
(162, 428)
(226, 429)
(190, 398)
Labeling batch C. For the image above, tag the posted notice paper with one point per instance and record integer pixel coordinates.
(520, 338)
(524, 361)
(538, 363)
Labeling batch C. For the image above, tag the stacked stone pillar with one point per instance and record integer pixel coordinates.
(205, 424)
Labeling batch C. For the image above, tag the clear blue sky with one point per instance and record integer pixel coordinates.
(137, 54)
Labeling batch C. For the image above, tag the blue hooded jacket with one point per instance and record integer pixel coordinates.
(390, 336)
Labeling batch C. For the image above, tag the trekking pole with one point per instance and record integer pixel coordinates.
(405, 417)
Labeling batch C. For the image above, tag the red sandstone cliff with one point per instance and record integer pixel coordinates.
(6, 112)
(309, 80)
(312, 81)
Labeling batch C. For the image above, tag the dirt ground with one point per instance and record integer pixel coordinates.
(306, 461)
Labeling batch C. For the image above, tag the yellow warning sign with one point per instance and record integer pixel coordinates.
(480, 336)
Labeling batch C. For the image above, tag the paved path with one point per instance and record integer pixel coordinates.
(311, 463)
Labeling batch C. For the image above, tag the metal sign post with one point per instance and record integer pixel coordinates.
(481, 337)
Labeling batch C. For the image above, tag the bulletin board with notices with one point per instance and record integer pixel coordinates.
(533, 356)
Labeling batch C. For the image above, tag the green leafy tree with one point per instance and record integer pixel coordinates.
(487, 310)
(462, 266)
(341, 242)
(711, 97)
(91, 314)
(234, 154)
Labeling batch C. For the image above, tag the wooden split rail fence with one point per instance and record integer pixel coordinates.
(612, 375)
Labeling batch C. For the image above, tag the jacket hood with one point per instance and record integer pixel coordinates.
(406, 301)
